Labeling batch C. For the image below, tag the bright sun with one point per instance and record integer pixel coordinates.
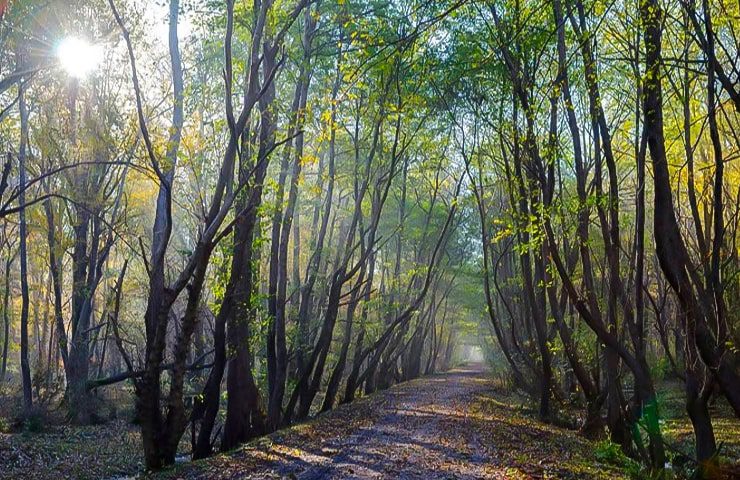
(78, 57)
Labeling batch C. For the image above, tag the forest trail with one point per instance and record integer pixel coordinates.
(444, 426)
(405, 442)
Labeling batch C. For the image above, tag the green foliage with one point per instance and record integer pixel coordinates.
(661, 369)
(34, 422)
(5, 426)
(611, 453)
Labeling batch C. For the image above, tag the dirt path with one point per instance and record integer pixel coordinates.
(404, 443)
(446, 426)
(455, 425)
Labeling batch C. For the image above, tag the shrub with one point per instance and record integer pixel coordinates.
(34, 421)
(4, 425)
(611, 453)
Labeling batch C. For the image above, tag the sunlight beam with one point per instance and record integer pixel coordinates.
(78, 57)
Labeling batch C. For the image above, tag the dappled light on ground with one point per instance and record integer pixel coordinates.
(452, 425)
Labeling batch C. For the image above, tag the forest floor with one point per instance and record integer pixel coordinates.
(445, 426)
(454, 425)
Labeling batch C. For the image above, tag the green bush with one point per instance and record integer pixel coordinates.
(611, 453)
(4, 425)
(34, 422)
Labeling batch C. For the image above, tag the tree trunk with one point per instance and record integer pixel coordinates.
(357, 294)
(6, 318)
(244, 416)
(697, 399)
(25, 365)
(670, 247)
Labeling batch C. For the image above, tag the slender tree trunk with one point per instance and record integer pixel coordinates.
(697, 400)
(244, 415)
(281, 237)
(357, 295)
(6, 318)
(25, 365)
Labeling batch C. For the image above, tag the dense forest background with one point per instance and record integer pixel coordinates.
(233, 215)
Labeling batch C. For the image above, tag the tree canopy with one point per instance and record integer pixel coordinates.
(252, 211)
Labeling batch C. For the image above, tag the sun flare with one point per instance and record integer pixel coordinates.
(78, 57)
